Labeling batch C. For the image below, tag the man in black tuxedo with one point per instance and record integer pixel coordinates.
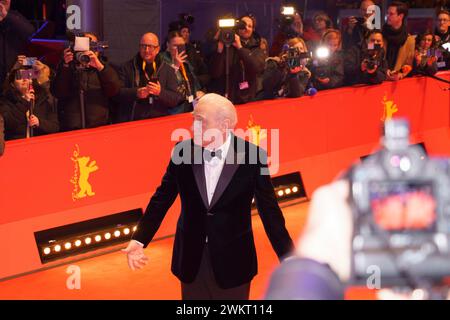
(216, 175)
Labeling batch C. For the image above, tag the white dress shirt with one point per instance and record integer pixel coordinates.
(213, 169)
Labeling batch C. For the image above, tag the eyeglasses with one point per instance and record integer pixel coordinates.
(148, 46)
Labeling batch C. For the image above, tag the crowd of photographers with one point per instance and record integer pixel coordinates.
(168, 77)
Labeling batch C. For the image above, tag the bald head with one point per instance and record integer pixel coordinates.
(149, 47)
(215, 115)
(218, 108)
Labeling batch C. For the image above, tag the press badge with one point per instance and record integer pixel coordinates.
(243, 85)
(150, 100)
(190, 98)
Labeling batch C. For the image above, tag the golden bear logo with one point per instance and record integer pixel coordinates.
(83, 167)
(256, 133)
(389, 108)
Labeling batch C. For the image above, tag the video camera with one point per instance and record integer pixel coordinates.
(79, 44)
(285, 22)
(228, 29)
(389, 187)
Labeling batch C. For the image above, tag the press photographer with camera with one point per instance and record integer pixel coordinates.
(26, 107)
(425, 59)
(15, 33)
(387, 213)
(245, 63)
(290, 26)
(188, 84)
(366, 64)
(287, 75)
(149, 85)
(357, 29)
(400, 45)
(83, 84)
(328, 62)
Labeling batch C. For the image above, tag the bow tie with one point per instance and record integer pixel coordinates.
(212, 154)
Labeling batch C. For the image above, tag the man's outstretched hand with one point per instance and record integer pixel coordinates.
(135, 255)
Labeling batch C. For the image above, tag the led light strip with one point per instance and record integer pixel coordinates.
(88, 240)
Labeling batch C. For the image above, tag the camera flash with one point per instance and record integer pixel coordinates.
(227, 23)
(288, 11)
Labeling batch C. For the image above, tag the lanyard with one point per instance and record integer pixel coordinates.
(184, 73)
(144, 65)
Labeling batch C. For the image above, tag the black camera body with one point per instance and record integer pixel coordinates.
(80, 57)
(227, 34)
(372, 56)
(399, 256)
(294, 58)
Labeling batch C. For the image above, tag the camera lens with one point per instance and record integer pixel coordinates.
(82, 57)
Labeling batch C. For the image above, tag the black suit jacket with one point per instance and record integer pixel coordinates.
(226, 221)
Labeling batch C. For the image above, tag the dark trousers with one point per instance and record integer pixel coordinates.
(205, 286)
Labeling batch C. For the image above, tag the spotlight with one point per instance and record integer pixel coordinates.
(88, 240)
(98, 238)
(280, 193)
(126, 231)
(67, 245)
(78, 243)
(47, 250)
(295, 189)
(107, 236)
(57, 248)
(117, 233)
(287, 191)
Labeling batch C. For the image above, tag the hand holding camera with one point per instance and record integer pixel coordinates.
(237, 42)
(68, 56)
(179, 57)
(142, 93)
(94, 62)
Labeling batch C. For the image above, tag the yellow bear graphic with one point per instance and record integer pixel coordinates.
(86, 169)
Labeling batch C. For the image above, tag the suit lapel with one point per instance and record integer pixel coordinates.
(233, 160)
(199, 173)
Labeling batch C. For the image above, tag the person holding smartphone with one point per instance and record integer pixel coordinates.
(149, 86)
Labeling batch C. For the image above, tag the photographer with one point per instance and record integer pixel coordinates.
(356, 33)
(149, 85)
(425, 60)
(26, 107)
(187, 82)
(89, 83)
(367, 64)
(15, 32)
(286, 32)
(287, 75)
(246, 61)
(328, 72)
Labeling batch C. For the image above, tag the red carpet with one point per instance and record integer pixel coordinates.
(108, 276)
